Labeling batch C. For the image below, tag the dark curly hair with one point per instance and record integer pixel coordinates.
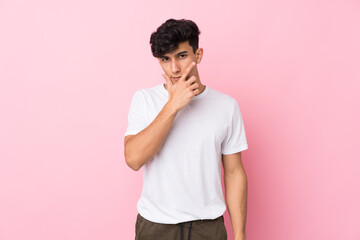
(168, 36)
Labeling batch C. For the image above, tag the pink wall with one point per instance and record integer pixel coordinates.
(68, 70)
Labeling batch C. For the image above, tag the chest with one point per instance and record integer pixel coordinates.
(199, 122)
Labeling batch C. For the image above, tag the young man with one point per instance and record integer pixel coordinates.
(182, 132)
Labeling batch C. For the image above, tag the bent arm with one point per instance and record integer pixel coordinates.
(142, 147)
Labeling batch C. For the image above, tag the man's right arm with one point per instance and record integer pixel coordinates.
(141, 147)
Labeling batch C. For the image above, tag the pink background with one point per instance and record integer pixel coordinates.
(68, 70)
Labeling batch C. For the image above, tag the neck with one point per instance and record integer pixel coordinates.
(201, 88)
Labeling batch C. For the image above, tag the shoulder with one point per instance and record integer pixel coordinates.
(228, 104)
(144, 92)
(223, 98)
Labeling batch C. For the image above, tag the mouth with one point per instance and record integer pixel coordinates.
(176, 78)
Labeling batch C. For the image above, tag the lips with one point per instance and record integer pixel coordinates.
(176, 78)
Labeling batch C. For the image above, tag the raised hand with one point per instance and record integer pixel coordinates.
(183, 90)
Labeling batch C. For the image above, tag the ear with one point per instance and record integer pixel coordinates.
(199, 54)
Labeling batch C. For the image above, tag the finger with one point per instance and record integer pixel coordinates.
(187, 71)
(168, 80)
(194, 86)
(196, 92)
(191, 80)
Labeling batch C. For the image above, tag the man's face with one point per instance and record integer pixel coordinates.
(175, 63)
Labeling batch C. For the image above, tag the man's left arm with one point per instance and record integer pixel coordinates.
(236, 193)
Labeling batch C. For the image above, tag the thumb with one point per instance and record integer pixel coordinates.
(168, 80)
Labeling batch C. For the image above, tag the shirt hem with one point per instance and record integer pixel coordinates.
(177, 222)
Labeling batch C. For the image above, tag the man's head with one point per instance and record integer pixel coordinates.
(171, 33)
(175, 45)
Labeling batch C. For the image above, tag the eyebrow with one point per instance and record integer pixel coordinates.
(176, 54)
(181, 52)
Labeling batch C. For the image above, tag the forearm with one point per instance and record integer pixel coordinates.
(143, 146)
(236, 200)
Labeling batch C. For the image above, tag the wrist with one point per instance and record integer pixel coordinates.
(171, 108)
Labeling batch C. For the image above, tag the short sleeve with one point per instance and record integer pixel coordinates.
(235, 140)
(136, 118)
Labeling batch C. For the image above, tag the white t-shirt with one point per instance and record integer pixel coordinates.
(183, 180)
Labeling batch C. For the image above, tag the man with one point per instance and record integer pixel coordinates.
(181, 132)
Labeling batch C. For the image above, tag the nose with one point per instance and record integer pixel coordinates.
(175, 67)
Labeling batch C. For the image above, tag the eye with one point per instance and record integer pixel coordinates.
(182, 55)
(164, 59)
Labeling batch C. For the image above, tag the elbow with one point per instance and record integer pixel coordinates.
(129, 155)
(133, 156)
(131, 162)
(132, 165)
(135, 168)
